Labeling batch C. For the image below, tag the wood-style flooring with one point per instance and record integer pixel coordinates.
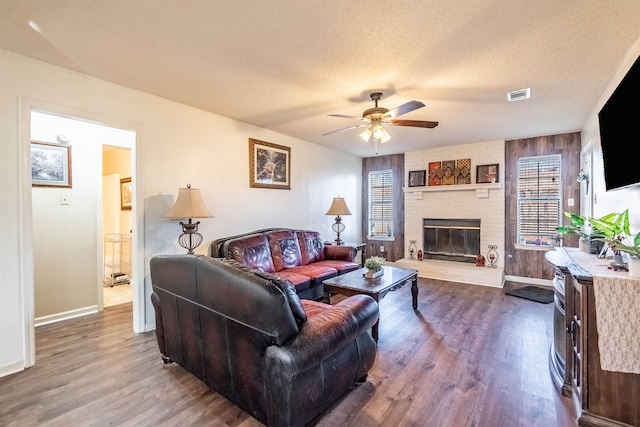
(469, 356)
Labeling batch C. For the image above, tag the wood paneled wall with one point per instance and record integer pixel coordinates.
(531, 263)
(393, 250)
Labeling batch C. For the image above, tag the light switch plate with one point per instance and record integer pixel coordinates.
(64, 199)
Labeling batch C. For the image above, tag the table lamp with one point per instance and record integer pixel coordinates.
(338, 207)
(189, 204)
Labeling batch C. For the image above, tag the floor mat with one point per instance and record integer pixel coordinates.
(533, 293)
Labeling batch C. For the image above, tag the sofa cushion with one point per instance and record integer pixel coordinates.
(341, 266)
(300, 281)
(251, 250)
(285, 250)
(286, 286)
(311, 246)
(315, 271)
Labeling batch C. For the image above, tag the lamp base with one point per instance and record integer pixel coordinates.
(190, 241)
(190, 238)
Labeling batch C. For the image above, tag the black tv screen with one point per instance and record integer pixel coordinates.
(619, 132)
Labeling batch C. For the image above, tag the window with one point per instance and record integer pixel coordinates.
(538, 200)
(381, 203)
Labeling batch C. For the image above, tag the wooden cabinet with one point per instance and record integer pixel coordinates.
(601, 397)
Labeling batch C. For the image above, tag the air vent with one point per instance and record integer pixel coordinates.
(517, 95)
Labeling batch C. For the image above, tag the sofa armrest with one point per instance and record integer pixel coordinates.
(340, 253)
(324, 333)
(333, 350)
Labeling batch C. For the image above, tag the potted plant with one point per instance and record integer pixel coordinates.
(580, 225)
(374, 266)
(615, 230)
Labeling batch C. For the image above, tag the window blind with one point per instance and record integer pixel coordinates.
(539, 199)
(380, 202)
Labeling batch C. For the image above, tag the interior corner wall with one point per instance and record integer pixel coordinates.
(176, 145)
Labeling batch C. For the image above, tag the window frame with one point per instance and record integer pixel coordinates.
(386, 205)
(548, 236)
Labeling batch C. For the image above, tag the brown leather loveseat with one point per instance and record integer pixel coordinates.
(247, 335)
(299, 256)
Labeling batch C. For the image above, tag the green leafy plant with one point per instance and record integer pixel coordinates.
(375, 263)
(578, 225)
(614, 228)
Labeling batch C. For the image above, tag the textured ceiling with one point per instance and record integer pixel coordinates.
(285, 65)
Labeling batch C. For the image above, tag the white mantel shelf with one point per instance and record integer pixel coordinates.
(482, 190)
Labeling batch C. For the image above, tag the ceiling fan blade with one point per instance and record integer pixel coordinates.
(349, 117)
(343, 129)
(413, 123)
(404, 109)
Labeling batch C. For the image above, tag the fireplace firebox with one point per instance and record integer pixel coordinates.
(451, 239)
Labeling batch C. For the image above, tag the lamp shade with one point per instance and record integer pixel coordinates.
(189, 205)
(338, 207)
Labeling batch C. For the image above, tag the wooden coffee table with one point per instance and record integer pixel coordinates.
(354, 283)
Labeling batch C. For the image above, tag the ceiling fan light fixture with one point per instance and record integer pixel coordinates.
(378, 131)
(366, 134)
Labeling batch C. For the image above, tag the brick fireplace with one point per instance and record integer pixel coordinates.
(480, 202)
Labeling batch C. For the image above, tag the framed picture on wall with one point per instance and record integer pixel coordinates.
(50, 165)
(269, 165)
(126, 196)
(487, 173)
(417, 178)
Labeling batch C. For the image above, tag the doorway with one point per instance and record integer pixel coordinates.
(116, 225)
(67, 211)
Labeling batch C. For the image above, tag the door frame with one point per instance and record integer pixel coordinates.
(26, 248)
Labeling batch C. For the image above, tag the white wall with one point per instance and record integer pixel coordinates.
(176, 145)
(604, 202)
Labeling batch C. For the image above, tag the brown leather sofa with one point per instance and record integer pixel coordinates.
(299, 256)
(248, 336)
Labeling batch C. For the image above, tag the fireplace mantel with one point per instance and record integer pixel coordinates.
(482, 190)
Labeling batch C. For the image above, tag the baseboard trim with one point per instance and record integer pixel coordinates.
(529, 280)
(11, 368)
(65, 315)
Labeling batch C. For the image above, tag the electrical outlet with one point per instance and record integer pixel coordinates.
(570, 202)
(381, 248)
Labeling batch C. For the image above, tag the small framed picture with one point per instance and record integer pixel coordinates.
(269, 165)
(50, 165)
(417, 178)
(125, 194)
(487, 173)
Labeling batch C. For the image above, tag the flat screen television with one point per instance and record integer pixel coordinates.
(619, 132)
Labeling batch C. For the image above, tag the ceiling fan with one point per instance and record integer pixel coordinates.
(376, 116)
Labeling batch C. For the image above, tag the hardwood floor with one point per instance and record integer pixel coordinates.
(469, 356)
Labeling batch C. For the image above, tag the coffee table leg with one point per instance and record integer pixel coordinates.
(414, 291)
(374, 331)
